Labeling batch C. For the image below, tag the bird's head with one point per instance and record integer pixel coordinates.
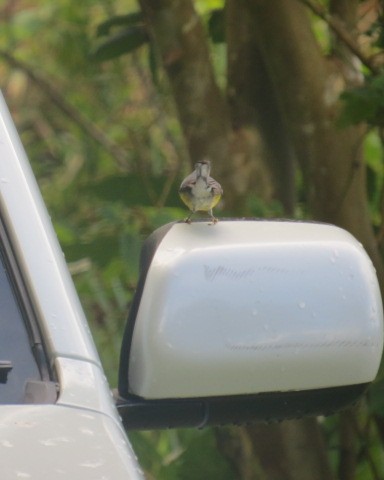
(203, 168)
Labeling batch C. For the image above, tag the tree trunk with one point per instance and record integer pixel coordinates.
(293, 450)
(182, 44)
(244, 151)
(265, 157)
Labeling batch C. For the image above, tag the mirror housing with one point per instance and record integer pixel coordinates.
(248, 320)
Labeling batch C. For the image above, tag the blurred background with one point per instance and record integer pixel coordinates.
(116, 100)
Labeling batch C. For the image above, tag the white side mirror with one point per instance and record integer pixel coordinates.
(249, 320)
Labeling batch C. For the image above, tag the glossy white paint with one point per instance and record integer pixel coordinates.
(38, 252)
(50, 442)
(81, 436)
(256, 306)
(83, 385)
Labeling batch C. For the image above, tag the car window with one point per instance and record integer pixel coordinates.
(20, 352)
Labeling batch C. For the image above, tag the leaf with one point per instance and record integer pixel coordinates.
(122, 42)
(132, 19)
(205, 6)
(364, 104)
(216, 26)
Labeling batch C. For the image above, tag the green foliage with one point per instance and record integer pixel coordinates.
(260, 209)
(376, 398)
(185, 455)
(375, 174)
(130, 20)
(365, 103)
(126, 40)
(206, 6)
(129, 190)
(216, 26)
(199, 459)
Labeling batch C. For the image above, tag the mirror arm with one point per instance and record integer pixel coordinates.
(141, 414)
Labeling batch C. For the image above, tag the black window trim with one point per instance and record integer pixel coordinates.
(25, 304)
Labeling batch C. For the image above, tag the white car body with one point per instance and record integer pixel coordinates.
(80, 436)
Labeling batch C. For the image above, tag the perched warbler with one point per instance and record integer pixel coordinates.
(199, 191)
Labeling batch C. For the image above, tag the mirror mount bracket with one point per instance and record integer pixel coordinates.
(142, 414)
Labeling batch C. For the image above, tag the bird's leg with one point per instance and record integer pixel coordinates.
(188, 219)
(214, 219)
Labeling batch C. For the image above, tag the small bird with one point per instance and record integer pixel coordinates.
(200, 192)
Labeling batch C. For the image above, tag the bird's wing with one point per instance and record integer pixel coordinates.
(188, 182)
(215, 186)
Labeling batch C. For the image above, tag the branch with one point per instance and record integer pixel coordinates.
(69, 111)
(180, 38)
(339, 29)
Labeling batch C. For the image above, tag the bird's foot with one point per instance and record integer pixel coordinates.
(214, 220)
(188, 220)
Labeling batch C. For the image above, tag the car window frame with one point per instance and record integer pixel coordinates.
(28, 317)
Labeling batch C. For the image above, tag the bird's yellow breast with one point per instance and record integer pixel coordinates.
(199, 204)
(187, 198)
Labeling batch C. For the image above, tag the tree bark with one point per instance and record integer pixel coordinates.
(293, 450)
(266, 159)
(348, 446)
(182, 44)
(242, 159)
(309, 87)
